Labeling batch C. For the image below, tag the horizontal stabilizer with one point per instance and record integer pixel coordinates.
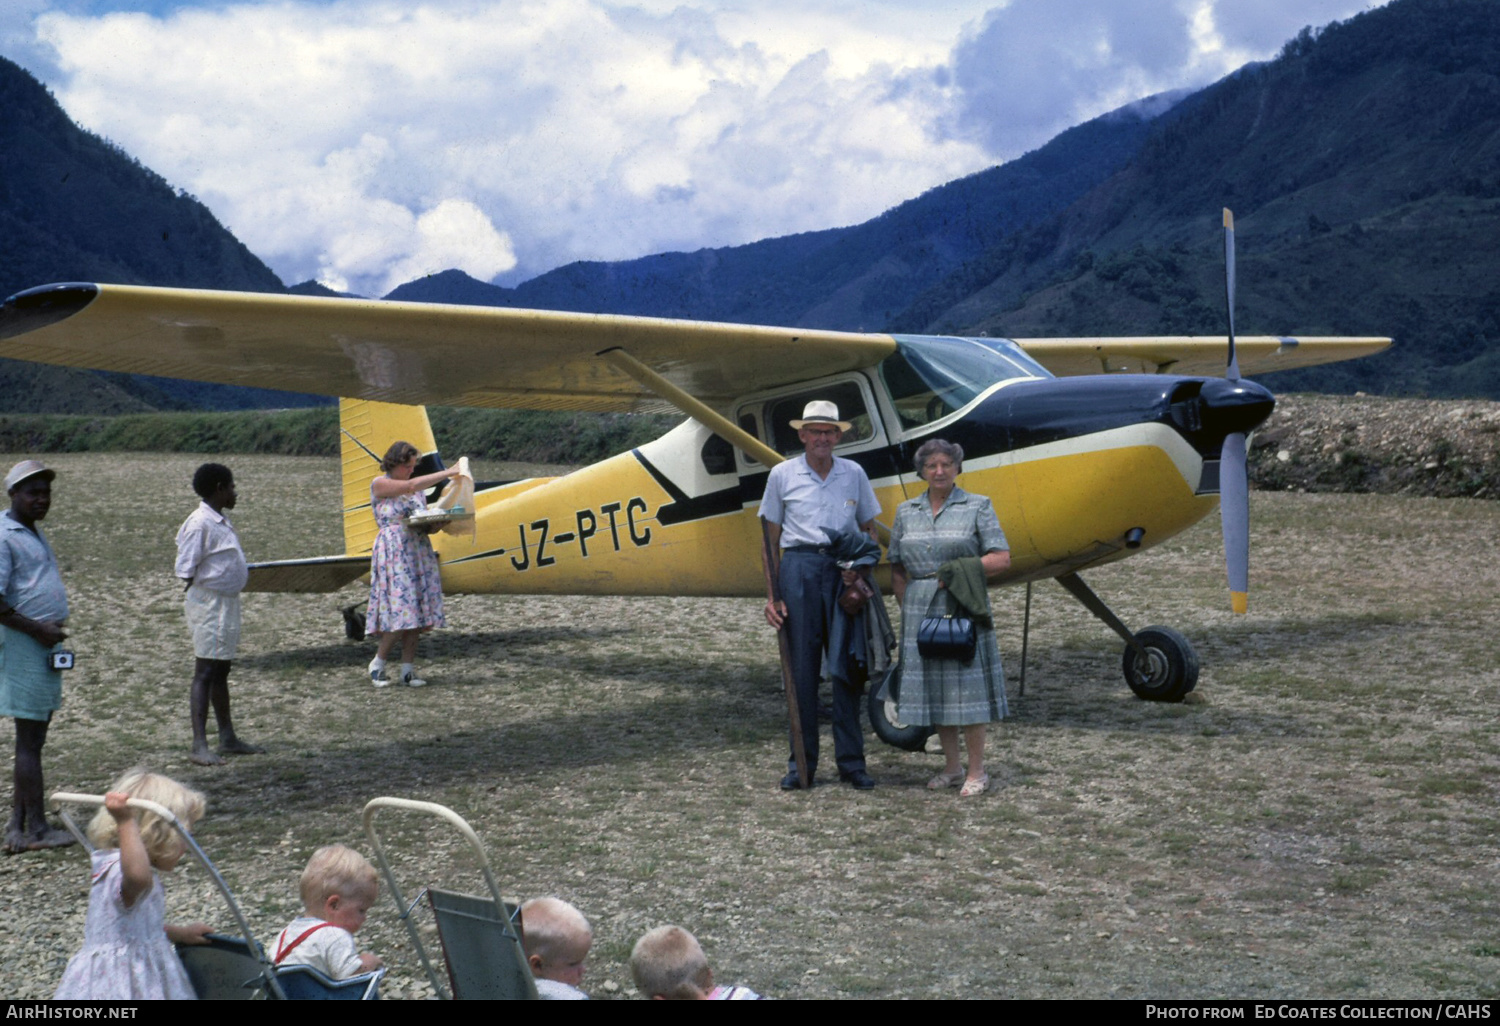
(318, 574)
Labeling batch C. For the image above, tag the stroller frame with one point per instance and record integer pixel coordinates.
(489, 917)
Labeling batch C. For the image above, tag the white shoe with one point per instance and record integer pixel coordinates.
(377, 675)
(411, 680)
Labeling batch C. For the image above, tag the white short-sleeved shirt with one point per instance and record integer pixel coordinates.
(808, 506)
(329, 949)
(209, 553)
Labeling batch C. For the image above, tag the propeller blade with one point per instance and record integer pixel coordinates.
(1234, 511)
(1233, 371)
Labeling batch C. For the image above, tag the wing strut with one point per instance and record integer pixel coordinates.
(706, 415)
(702, 413)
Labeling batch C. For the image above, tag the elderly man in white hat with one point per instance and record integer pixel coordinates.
(33, 607)
(806, 498)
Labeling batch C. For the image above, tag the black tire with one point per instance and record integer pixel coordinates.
(354, 624)
(1171, 670)
(887, 727)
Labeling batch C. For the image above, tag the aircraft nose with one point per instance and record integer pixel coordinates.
(1231, 407)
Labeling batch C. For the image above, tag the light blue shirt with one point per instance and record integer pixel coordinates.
(29, 579)
(808, 506)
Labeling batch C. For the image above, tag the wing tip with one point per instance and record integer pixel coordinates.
(44, 305)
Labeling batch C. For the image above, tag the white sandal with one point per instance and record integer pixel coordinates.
(974, 788)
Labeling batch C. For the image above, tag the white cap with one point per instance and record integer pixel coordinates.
(27, 468)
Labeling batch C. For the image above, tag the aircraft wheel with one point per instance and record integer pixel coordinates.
(889, 728)
(354, 624)
(1170, 670)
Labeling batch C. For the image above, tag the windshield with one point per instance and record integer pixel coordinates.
(930, 377)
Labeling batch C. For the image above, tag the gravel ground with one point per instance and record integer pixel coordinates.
(1319, 821)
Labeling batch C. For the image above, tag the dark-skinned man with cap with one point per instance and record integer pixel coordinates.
(33, 609)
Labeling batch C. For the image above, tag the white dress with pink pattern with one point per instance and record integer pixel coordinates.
(126, 955)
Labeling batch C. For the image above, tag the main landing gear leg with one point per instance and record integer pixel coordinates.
(1160, 664)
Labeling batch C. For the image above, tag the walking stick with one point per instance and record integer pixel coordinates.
(773, 595)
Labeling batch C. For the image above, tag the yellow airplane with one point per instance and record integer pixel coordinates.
(1091, 449)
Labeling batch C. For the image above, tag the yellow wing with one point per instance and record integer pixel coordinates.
(423, 353)
(1192, 354)
(413, 353)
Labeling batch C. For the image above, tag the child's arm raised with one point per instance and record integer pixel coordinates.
(135, 863)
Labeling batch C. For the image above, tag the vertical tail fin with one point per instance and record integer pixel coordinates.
(366, 430)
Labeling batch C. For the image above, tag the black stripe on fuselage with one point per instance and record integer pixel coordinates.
(1022, 415)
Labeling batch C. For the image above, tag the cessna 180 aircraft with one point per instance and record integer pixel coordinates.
(1091, 449)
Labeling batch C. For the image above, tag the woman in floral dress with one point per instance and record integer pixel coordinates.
(406, 589)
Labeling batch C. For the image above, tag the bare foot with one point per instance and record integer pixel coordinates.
(51, 837)
(48, 837)
(15, 841)
(234, 746)
(203, 757)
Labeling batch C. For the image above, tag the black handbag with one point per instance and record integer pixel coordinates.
(947, 637)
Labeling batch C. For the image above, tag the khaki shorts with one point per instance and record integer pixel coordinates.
(214, 619)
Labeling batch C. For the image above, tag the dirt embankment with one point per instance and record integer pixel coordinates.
(1359, 443)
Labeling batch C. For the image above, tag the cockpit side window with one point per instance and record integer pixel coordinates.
(852, 408)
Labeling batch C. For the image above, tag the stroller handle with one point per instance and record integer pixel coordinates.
(59, 798)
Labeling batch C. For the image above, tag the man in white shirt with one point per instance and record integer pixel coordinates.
(211, 562)
(807, 497)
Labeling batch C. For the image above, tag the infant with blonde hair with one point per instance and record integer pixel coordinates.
(557, 939)
(668, 964)
(338, 887)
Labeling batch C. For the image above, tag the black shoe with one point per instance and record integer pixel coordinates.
(858, 779)
(793, 782)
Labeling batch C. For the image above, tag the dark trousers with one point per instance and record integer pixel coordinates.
(810, 584)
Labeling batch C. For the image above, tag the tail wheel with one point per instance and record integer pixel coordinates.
(887, 724)
(1169, 669)
(354, 623)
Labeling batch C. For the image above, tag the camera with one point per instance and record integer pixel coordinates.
(62, 660)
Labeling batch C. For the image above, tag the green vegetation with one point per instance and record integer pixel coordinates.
(546, 437)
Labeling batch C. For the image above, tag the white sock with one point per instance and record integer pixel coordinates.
(407, 670)
(377, 664)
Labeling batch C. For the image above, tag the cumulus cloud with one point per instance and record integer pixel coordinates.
(365, 142)
(1032, 68)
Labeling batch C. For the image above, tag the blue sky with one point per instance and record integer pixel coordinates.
(368, 142)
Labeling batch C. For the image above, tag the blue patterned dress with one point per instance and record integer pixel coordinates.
(945, 692)
(406, 587)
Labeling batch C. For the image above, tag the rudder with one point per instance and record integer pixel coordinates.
(366, 430)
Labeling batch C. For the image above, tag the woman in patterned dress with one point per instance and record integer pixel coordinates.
(406, 590)
(946, 523)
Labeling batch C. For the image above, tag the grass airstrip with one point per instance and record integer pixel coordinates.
(1321, 820)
